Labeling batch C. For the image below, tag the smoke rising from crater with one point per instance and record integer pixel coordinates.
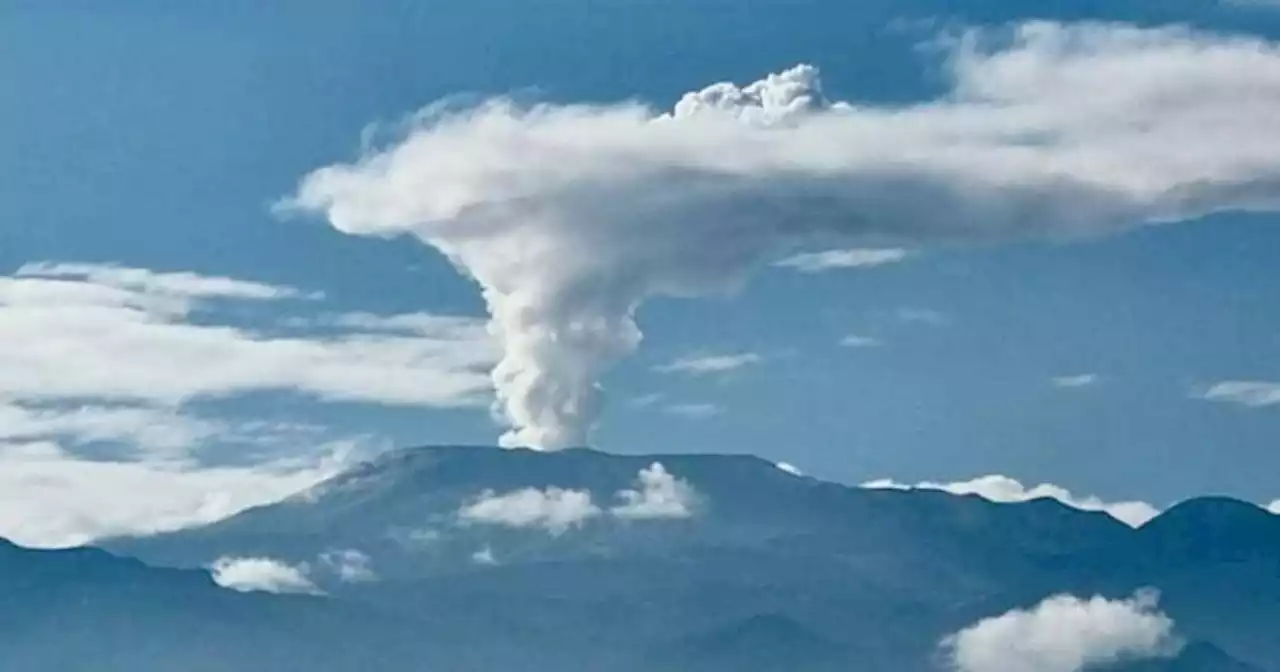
(569, 217)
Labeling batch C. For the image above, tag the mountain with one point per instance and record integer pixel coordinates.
(734, 564)
(765, 642)
(88, 610)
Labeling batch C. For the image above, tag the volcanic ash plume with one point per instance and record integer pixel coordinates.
(570, 216)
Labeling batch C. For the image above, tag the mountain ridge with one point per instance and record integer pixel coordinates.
(758, 549)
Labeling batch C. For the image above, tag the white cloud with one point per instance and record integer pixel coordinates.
(925, 316)
(693, 411)
(97, 354)
(818, 262)
(150, 429)
(856, 341)
(1072, 381)
(350, 565)
(998, 488)
(658, 494)
(554, 509)
(789, 468)
(135, 342)
(177, 284)
(1274, 507)
(426, 324)
(50, 498)
(702, 365)
(1065, 634)
(484, 556)
(262, 575)
(571, 216)
(1254, 394)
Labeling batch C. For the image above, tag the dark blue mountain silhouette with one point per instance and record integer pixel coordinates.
(770, 572)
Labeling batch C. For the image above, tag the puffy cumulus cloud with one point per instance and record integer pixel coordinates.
(999, 488)
(349, 565)
(1251, 393)
(51, 498)
(1066, 634)
(657, 494)
(829, 260)
(553, 509)
(570, 216)
(702, 365)
(133, 337)
(262, 575)
(1074, 381)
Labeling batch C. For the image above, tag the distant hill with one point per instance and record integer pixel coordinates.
(767, 568)
(87, 610)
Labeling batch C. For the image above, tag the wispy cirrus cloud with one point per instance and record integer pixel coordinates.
(1075, 380)
(136, 342)
(925, 316)
(1250, 393)
(694, 411)
(830, 260)
(702, 365)
(859, 341)
(350, 565)
(182, 284)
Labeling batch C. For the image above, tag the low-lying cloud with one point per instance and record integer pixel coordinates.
(349, 565)
(51, 498)
(656, 494)
(1065, 634)
(248, 575)
(999, 488)
(554, 509)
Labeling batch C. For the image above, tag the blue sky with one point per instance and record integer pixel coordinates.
(158, 136)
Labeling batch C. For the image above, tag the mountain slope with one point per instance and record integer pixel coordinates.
(85, 609)
(881, 576)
